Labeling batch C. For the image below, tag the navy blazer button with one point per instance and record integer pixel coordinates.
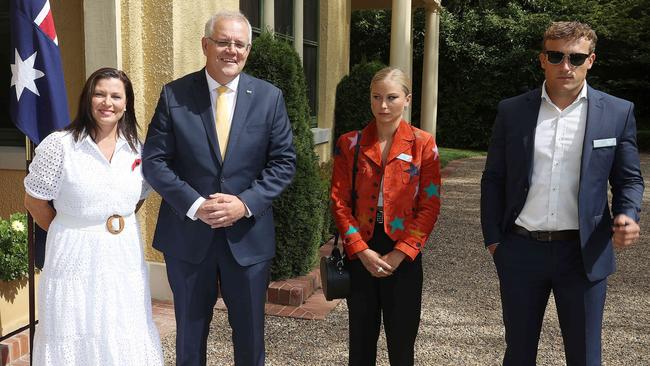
(223, 180)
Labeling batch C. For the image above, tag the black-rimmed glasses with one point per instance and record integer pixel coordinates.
(556, 58)
(239, 46)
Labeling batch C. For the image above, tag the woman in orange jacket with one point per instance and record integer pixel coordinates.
(397, 205)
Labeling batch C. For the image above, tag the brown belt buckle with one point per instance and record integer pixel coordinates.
(109, 224)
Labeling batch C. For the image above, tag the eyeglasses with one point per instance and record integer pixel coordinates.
(556, 58)
(239, 46)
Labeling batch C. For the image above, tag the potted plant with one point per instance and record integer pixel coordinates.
(14, 298)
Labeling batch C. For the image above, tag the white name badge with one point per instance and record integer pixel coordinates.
(405, 157)
(604, 143)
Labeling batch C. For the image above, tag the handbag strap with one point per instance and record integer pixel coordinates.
(353, 193)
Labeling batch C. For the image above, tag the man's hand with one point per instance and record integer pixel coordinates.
(394, 258)
(626, 231)
(227, 210)
(221, 210)
(492, 248)
(374, 263)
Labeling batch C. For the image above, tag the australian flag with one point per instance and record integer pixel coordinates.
(38, 100)
(37, 96)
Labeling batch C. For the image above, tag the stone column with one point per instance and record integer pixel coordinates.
(429, 106)
(298, 17)
(268, 15)
(400, 39)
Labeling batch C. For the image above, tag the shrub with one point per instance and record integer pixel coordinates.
(13, 247)
(299, 229)
(352, 106)
(329, 228)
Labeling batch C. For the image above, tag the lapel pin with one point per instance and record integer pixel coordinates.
(249, 91)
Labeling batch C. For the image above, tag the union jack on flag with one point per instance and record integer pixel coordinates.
(38, 100)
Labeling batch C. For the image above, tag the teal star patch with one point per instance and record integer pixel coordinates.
(432, 190)
(397, 224)
(352, 230)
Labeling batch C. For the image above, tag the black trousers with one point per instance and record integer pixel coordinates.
(396, 298)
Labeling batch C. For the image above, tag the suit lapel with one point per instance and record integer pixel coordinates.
(204, 106)
(593, 126)
(245, 93)
(529, 125)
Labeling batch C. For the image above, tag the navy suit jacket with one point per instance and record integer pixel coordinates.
(181, 161)
(509, 166)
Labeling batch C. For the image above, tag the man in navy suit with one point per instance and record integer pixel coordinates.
(544, 207)
(219, 150)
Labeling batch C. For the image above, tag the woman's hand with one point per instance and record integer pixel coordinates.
(374, 263)
(394, 258)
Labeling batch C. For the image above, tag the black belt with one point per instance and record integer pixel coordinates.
(561, 235)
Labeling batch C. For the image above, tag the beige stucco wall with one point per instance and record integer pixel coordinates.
(334, 44)
(11, 191)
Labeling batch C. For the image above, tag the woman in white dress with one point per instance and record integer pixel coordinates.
(94, 300)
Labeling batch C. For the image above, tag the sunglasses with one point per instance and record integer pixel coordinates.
(556, 58)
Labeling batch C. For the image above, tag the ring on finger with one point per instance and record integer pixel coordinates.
(380, 269)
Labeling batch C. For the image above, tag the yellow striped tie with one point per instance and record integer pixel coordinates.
(221, 119)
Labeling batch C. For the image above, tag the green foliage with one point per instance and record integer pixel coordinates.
(352, 105)
(329, 228)
(299, 229)
(489, 51)
(447, 155)
(13, 247)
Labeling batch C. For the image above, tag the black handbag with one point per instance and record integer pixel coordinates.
(335, 277)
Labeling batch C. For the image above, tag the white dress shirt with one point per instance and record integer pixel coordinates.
(231, 96)
(552, 201)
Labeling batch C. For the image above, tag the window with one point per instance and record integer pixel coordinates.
(9, 134)
(283, 19)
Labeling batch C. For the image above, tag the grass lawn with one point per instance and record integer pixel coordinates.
(448, 154)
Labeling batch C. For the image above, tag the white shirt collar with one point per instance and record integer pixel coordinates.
(213, 84)
(86, 139)
(581, 95)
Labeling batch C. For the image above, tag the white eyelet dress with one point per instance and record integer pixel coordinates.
(94, 302)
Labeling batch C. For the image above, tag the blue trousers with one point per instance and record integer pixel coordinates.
(528, 271)
(195, 288)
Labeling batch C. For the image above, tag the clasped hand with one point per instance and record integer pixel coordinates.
(221, 210)
(378, 265)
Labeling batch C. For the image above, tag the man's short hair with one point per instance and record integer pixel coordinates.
(571, 31)
(236, 15)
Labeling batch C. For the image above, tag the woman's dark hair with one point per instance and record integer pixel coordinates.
(84, 123)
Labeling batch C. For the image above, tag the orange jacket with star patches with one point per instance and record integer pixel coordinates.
(411, 188)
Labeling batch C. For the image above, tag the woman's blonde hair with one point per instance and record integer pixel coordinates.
(393, 74)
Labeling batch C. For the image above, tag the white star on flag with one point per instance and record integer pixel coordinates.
(23, 75)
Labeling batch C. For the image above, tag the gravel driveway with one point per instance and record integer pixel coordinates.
(461, 312)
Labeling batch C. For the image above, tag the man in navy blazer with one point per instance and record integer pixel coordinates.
(219, 150)
(544, 206)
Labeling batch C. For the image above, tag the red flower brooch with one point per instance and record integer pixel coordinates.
(136, 162)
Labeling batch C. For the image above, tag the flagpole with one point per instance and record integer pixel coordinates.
(31, 251)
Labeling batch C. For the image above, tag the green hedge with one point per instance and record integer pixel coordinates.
(299, 231)
(13, 247)
(352, 105)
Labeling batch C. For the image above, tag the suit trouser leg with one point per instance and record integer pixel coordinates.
(244, 292)
(525, 287)
(195, 293)
(580, 304)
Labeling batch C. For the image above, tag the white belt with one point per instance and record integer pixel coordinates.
(113, 224)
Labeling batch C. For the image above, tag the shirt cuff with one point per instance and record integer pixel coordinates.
(191, 213)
